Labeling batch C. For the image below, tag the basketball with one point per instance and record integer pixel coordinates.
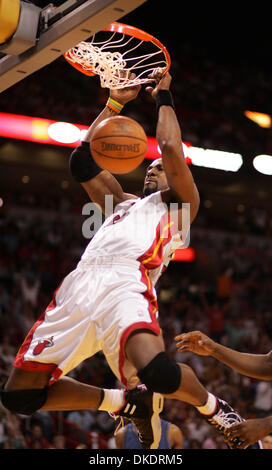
(118, 144)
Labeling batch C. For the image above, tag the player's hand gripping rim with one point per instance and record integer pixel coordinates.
(162, 82)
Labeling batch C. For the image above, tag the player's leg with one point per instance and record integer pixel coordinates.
(147, 354)
(65, 394)
(26, 392)
(177, 381)
(141, 355)
(57, 342)
(23, 379)
(144, 351)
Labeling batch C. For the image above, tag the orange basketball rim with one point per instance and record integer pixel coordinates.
(124, 50)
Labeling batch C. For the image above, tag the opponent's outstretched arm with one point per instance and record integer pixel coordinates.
(97, 182)
(258, 366)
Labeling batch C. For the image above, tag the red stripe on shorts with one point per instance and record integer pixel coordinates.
(152, 326)
(152, 258)
(19, 360)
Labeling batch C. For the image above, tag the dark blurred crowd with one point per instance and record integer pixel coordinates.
(226, 292)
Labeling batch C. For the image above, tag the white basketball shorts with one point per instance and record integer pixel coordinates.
(95, 308)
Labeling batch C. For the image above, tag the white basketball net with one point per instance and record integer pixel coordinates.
(114, 66)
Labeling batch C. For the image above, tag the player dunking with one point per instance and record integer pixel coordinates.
(109, 302)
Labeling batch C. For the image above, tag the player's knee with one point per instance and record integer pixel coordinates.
(25, 402)
(162, 374)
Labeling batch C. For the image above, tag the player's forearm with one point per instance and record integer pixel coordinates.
(267, 425)
(258, 366)
(115, 103)
(179, 176)
(106, 113)
(168, 135)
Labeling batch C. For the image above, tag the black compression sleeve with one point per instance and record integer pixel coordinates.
(82, 164)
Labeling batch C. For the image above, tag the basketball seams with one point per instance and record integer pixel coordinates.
(118, 158)
(118, 136)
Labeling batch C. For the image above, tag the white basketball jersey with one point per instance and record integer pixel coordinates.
(110, 294)
(138, 230)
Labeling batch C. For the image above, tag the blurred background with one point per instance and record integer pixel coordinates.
(221, 68)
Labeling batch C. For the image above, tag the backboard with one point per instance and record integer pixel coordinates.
(59, 29)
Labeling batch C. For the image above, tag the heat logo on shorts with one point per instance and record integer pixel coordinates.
(42, 344)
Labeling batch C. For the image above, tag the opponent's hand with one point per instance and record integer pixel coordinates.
(196, 342)
(248, 432)
(124, 95)
(162, 82)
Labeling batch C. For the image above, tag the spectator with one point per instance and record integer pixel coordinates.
(30, 286)
(59, 442)
(36, 438)
(263, 398)
(15, 437)
(82, 418)
(46, 420)
(198, 430)
(216, 314)
(2, 426)
(267, 442)
(236, 333)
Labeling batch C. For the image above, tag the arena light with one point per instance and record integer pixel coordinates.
(43, 131)
(263, 164)
(215, 159)
(262, 119)
(64, 132)
(185, 255)
(46, 131)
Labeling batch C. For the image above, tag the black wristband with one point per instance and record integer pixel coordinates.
(82, 164)
(164, 98)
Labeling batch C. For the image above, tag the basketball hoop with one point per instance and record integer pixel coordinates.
(116, 52)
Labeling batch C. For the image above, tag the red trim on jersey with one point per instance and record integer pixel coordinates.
(19, 360)
(152, 326)
(55, 375)
(149, 293)
(165, 230)
(151, 259)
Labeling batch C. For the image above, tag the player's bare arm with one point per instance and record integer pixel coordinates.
(119, 438)
(258, 366)
(121, 96)
(182, 188)
(175, 436)
(105, 183)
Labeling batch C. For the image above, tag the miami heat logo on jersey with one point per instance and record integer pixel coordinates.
(118, 218)
(42, 344)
